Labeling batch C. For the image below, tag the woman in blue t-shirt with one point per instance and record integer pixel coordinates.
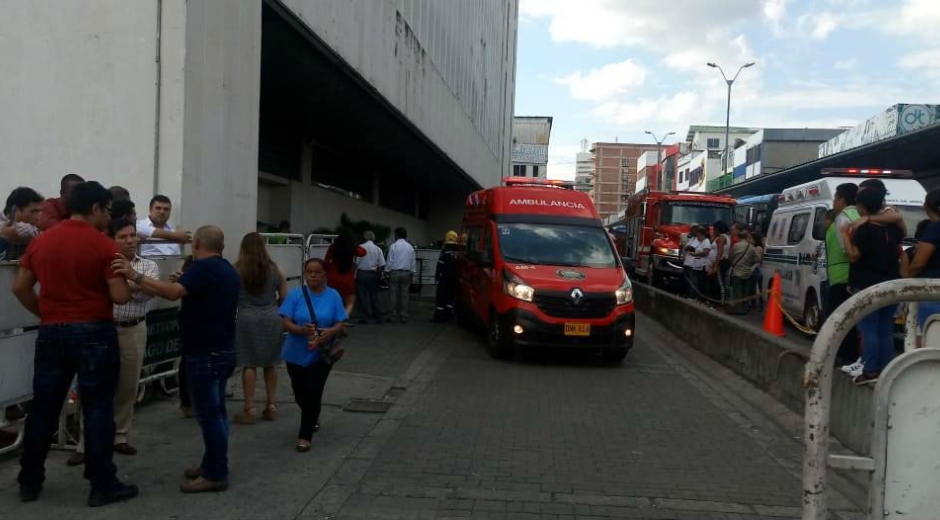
(926, 261)
(305, 343)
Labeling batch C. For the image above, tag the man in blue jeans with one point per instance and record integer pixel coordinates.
(77, 290)
(209, 289)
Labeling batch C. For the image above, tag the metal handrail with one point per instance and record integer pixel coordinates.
(301, 240)
(817, 379)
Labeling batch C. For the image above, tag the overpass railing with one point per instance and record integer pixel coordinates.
(904, 466)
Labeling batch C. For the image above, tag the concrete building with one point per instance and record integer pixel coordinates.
(584, 171)
(530, 137)
(615, 174)
(775, 149)
(247, 112)
(647, 171)
(708, 137)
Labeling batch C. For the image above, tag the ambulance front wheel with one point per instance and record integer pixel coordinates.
(499, 343)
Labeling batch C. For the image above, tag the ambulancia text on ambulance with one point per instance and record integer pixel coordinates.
(796, 238)
(538, 269)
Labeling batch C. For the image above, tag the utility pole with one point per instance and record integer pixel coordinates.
(660, 176)
(724, 156)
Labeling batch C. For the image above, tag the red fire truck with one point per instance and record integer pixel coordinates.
(652, 230)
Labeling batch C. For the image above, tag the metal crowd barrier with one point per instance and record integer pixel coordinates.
(288, 251)
(17, 349)
(904, 467)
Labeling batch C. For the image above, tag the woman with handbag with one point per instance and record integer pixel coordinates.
(314, 319)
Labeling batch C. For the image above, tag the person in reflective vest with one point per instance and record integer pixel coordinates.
(446, 277)
(837, 262)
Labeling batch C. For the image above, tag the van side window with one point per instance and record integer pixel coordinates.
(819, 225)
(473, 246)
(486, 252)
(798, 228)
(778, 225)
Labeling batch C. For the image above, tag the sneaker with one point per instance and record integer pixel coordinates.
(866, 379)
(854, 367)
(119, 493)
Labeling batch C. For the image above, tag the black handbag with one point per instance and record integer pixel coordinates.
(332, 351)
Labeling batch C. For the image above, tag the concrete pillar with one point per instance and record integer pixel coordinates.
(219, 181)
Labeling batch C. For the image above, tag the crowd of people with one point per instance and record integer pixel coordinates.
(721, 264)
(864, 247)
(97, 285)
(864, 244)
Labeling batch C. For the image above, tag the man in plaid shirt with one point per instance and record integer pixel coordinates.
(130, 319)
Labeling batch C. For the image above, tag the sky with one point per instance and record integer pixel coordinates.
(606, 69)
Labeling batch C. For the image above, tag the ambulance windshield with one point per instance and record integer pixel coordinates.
(546, 244)
(696, 213)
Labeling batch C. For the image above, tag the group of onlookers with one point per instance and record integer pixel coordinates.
(721, 265)
(96, 287)
(864, 247)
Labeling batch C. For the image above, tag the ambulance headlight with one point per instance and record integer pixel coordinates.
(515, 287)
(625, 293)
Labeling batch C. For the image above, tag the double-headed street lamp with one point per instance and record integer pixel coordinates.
(728, 112)
(659, 157)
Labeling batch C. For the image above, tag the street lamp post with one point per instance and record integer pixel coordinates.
(724, 168)
(659, 157)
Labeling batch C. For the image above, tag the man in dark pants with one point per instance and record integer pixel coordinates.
(209, 289)
(368, 271)
(446, 278)
(837, 264)
(77, 290)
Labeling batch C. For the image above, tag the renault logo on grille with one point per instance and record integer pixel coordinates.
(577, 296)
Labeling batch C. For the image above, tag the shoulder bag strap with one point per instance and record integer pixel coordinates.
(741, 256)
(313, 313)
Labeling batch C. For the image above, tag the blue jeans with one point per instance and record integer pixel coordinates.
(877, 331)
(91, 351)
(207, 375)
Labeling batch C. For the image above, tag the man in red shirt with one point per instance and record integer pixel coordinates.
(72, 263)
(54, 211)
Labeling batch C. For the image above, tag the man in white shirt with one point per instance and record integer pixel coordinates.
(689, 243)
(401, 267)
(131, 321)
(157, 225)
(369, 268)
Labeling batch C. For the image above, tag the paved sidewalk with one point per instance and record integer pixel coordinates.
(660, 436)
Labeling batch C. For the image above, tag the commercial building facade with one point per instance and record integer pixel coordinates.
(615, 174)
(256, 112)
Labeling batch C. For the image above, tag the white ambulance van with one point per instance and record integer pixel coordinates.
(796, 238)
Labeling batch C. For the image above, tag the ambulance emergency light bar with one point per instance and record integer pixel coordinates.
(548, 183)
(868, 171)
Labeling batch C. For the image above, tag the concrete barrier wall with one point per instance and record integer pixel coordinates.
(772, 364)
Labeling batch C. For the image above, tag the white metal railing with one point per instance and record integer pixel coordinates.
(288, 251)
(817, 386)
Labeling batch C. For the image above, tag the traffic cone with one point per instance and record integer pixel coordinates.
(773, 318)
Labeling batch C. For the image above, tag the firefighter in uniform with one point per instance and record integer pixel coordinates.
(446, 277)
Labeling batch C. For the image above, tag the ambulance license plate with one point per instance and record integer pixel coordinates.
(577, 329)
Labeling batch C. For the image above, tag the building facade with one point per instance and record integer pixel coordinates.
(771, 150)
(530, 139)
(247, 113)
(584, 172)
(615, 174)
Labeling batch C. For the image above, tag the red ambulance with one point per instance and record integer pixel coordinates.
(538, 269)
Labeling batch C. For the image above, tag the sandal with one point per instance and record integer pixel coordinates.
(270, 412)
(247, 417)
(303, 446)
